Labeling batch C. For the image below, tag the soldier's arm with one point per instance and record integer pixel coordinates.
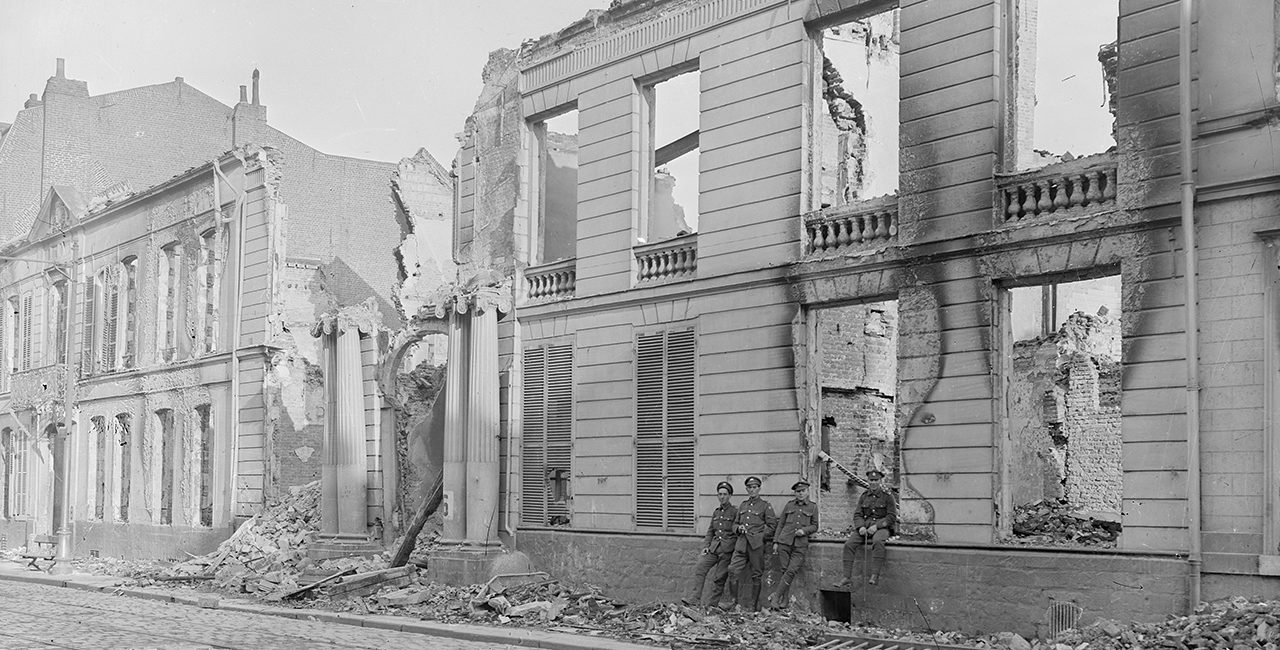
(891, 512)
(770, 521)
(711, 529)
(858, 520)
(813, 523)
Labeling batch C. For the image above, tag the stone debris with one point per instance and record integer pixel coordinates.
(1230, 623)
(1052, 523)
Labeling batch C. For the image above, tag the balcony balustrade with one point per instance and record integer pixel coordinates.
(846, 228)
(1079, 186)
(673, 259)
(554, 281)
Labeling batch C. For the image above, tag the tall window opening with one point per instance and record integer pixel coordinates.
(6, 479)
(108, 330)
(555, 187)
(99, 446)
(8, 342)
(168, 448)
(547, 436)
(670, 144)
(167, 313)
(88, 325)
(19, 460)
(28, 315)
(207, 273)
(58, 303)
(857, 374)
(1062, 80)
(1063, 468)
(857, 118)
(666, 390)
(124, 461)
(204, 418)
(129, 305)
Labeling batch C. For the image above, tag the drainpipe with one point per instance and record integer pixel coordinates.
(1188, 187)
(515, 422)
(238, 265)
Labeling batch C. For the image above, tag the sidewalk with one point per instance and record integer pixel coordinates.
(16, 572)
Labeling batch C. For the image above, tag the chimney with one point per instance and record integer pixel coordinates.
(244, 95)
(62, 69)
(32, 101)
(255, 87)
(248, 121)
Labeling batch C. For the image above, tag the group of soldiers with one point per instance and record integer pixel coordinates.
(738, 537)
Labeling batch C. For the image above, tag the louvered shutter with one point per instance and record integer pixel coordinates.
(26, 332)
(87, 337)
(533, 465)
(110, 321)
(4, 334)
(559, 421)
(681, 482)
(650, 416)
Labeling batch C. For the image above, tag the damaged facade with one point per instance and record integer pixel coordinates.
(640, 371)
(167, 257)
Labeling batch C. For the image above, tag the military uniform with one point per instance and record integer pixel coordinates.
(792, 548)
(756, 523)
(717, 551)
(875, 507)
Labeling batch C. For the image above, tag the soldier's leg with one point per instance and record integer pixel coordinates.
(719, 575)
(792, 565)
(749, 588)
(785, 551)
(848, 555)
(878, 552)
(705, 562)
(737, 564)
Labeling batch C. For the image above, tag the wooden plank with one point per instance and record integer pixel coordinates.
(746, 382)
(963, 533)
(603, 409)
(951, 95)
(791, 75)
(954, 364)
(602, 466)
(974, 66)
(1153, 539)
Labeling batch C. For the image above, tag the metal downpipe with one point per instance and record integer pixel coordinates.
(1188, 191)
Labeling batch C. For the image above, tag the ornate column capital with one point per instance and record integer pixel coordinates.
(485, 291)
(364, 318)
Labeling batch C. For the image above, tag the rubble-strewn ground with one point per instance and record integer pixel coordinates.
(1052, 523)
(266, 558)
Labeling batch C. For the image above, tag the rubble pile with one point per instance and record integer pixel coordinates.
(1053, 523)
(1231, 623)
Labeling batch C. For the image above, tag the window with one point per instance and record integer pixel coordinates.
(547, 436)
(19, 459)
(108, 330)
(168, 448)
(204, 417)
(669, 140)
(554, 183)
(6, 478)
(98, 448)
(129, 303)
(1062, 81)
(207, 276)
(167, 313)
(27, 317)
(8, 336)
(665, 429)
(123, 459)
(856, 138)
(59, 300)
(89, 334)
(1063, 466)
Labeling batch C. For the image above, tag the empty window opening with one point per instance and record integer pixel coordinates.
(857, 139)
(671, 133)
(1063, 458)
(204, 416)
(99, 447)
(168, 447)
(58, 301)
(167, 313)
(128, 305)
(555, 183)
(1062, 80)
(858, 376)
(209, 293)
(123, 460)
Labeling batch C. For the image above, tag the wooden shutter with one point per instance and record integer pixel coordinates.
(87, 337)
(110, 322)
(533, 459)
(559, 421)
(4, 333)
(26, 332)
(666, 389)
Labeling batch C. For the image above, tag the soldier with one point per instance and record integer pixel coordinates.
(755, 525)
(717, 549)
(873, 523)
(799, 520)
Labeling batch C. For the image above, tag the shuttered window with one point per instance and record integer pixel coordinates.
(26, 332)
(87, 334)
(5, 367)
(547, 436)
(666, 386)
(110, 323)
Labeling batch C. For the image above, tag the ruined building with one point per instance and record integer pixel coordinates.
(1009, 327)
(165, 260)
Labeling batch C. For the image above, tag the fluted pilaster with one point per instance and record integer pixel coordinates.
(455, 429)
(483, 428)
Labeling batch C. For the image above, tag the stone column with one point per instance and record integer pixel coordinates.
(483, 427)
(457, 391)
(345, 446)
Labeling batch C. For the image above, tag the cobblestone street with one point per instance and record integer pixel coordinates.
(39, 616)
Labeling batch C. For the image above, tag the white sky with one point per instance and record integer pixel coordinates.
(367, 78)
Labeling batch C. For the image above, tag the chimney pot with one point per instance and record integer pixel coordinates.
(178, 79)
(255, 86)
(33, 100)
(244, 94)
(62, 68)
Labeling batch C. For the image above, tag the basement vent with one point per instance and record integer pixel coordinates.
(1063, 616)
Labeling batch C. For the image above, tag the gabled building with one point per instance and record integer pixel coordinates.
(1006, 334)
(166, 261)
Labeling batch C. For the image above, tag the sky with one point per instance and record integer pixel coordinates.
(366, 78)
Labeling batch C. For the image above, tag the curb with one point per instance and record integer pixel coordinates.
(524, 637)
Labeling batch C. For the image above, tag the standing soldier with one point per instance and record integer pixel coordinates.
(755, 525)
(873, 523)
(717, 550)
(799, 520)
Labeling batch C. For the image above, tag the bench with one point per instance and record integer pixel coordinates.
(41, 547)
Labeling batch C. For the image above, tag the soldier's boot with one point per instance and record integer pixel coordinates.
(844, 582)
(874, 579)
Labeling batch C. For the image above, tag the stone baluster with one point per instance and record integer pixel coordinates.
(1109, 189)
(1095, 191)
(1060, 196)
(1045, 205)
(882, 225)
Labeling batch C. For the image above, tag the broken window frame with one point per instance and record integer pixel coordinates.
(539, 151)
(1002, 364)
(654, 155)
(547, 434)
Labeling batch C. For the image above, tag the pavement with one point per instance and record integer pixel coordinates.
(81, 610)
